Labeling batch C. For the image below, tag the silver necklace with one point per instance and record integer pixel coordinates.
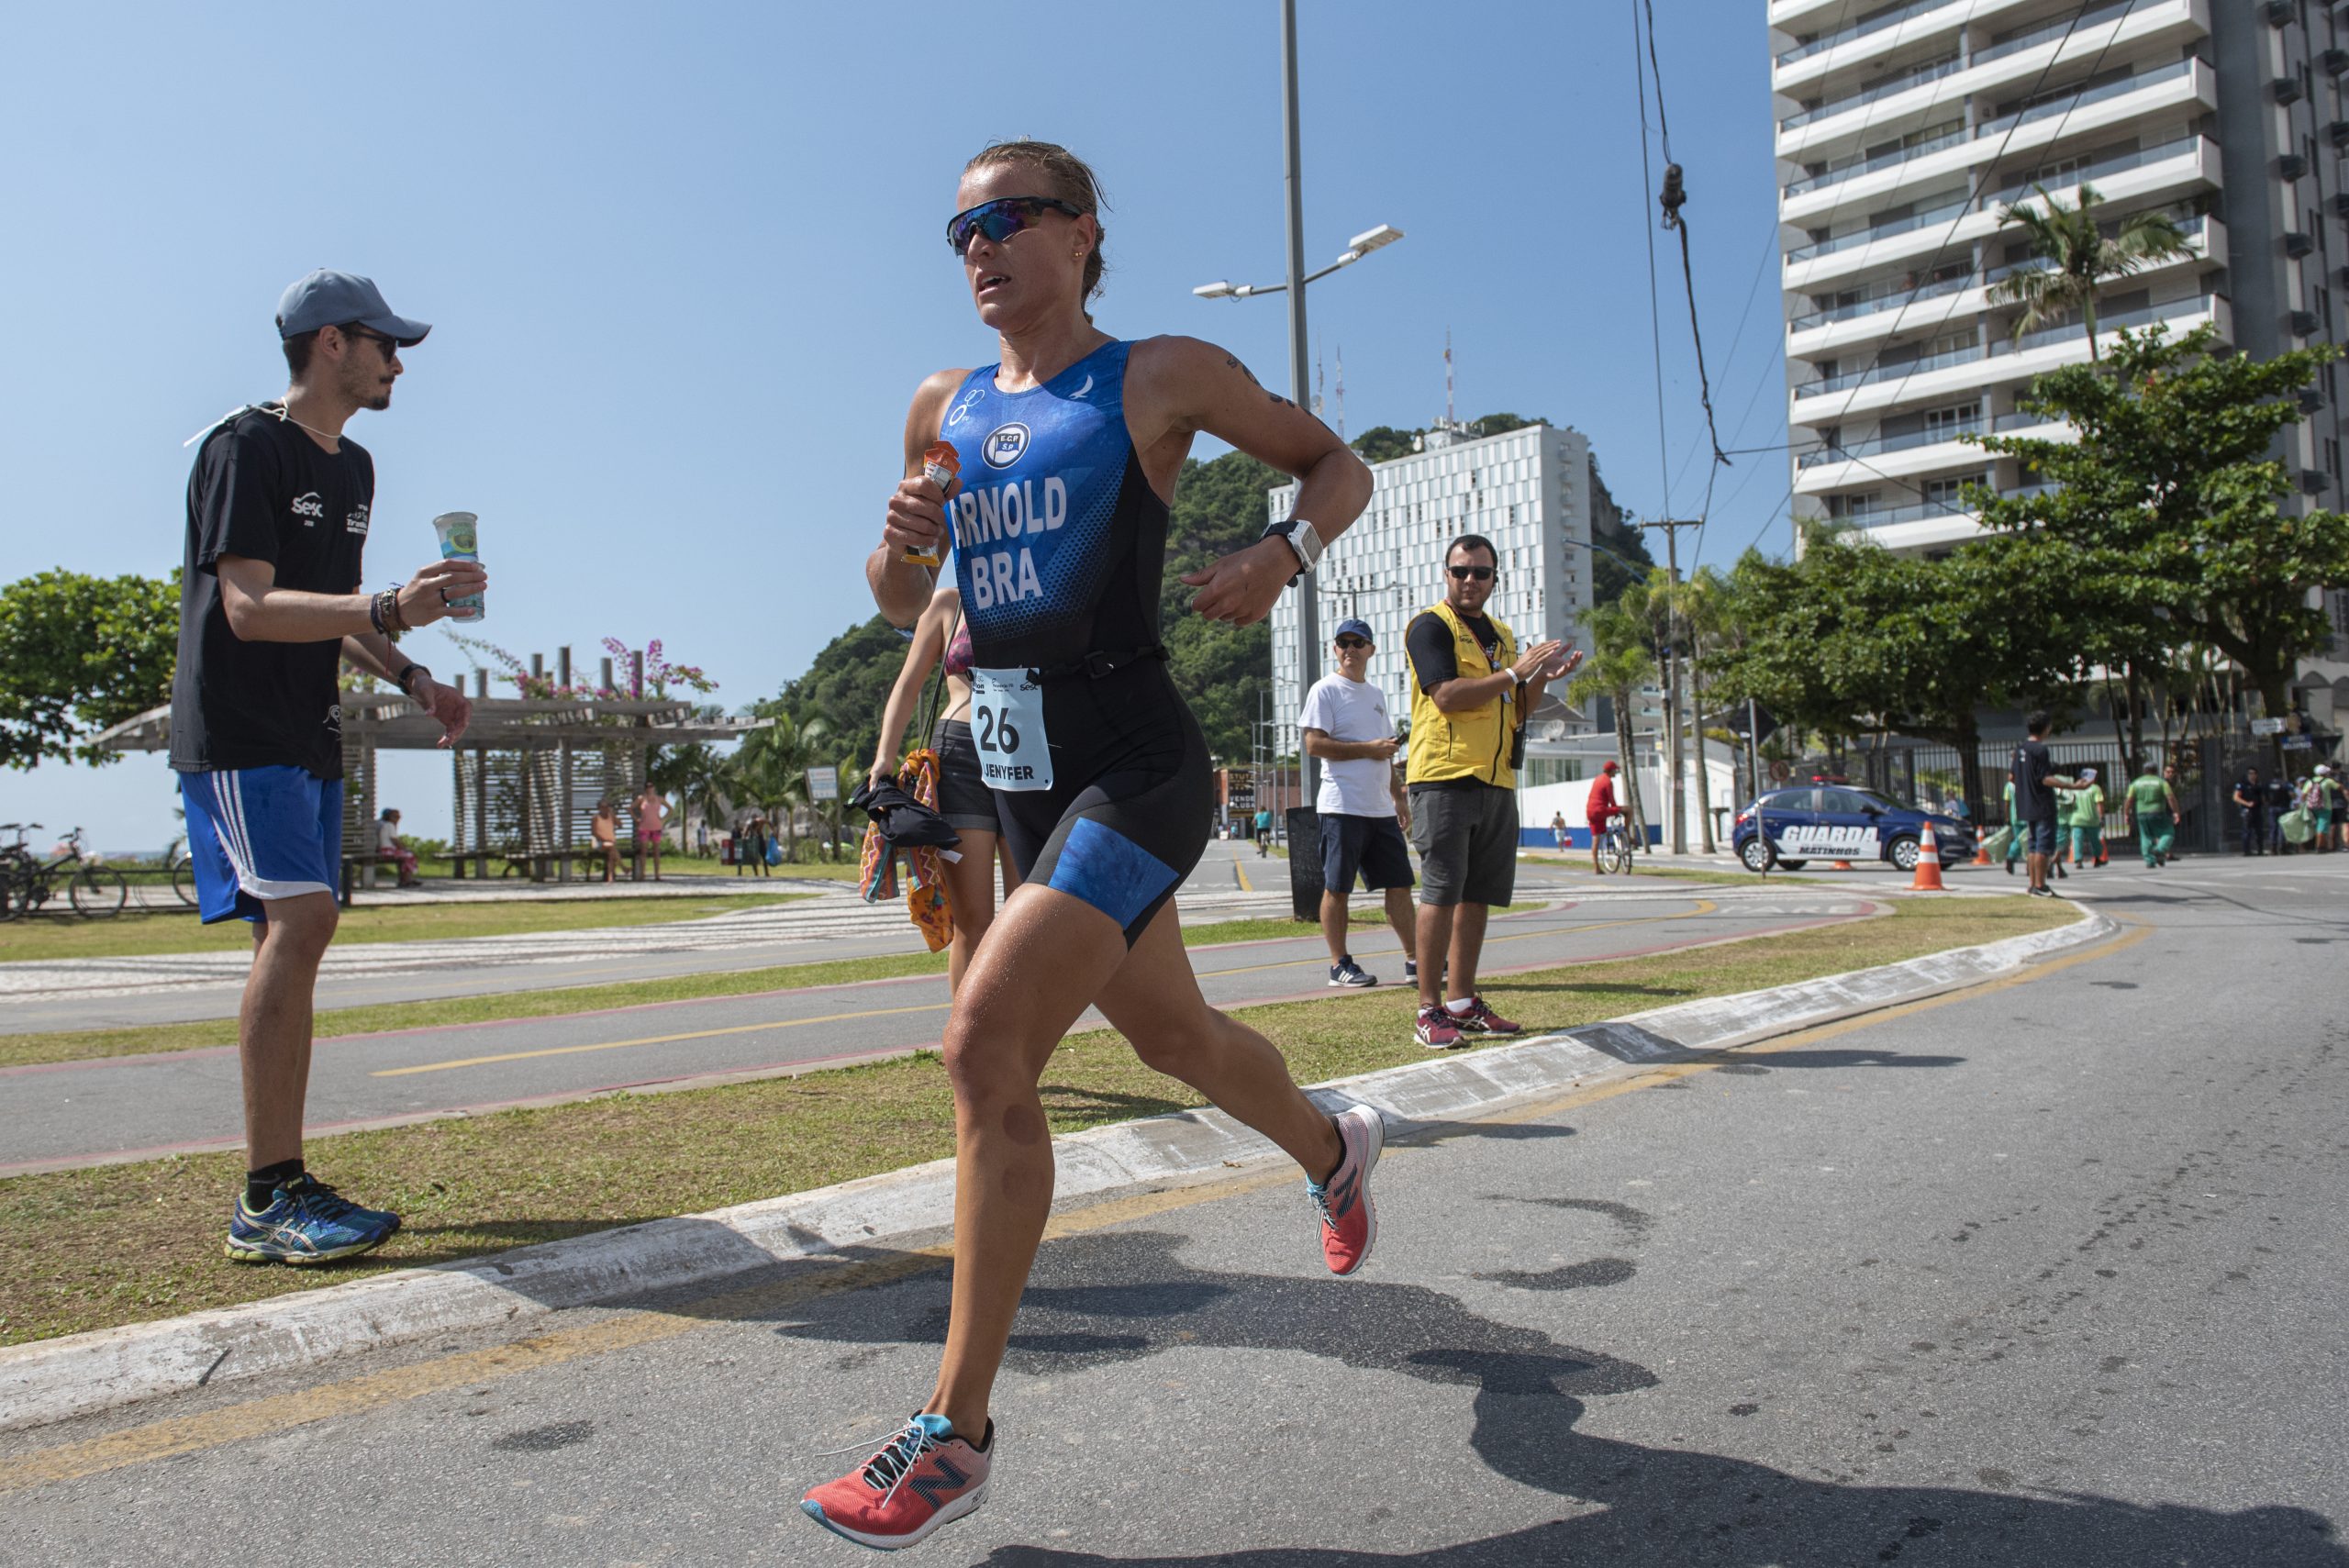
(286, 415)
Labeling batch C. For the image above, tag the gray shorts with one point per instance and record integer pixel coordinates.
(1467, 844)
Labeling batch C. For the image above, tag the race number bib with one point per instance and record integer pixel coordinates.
(1008, 728)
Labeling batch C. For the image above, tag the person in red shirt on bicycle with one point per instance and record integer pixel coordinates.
(1600, 809)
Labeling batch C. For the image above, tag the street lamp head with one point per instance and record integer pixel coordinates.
(1219, 290)
(1363, 244)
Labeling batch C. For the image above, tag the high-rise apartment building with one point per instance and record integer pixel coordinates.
(1534, 492)
(1904, 129)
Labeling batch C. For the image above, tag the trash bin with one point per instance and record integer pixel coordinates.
(1305, 862)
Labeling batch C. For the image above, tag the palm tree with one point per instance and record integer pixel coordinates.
(2083, 258)
(773, 763)
(703, 782)
(1619, 665)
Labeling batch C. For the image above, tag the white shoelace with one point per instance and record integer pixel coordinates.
(913, 1440)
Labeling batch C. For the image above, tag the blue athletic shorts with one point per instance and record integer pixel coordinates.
(255, 834)
(2040, 835)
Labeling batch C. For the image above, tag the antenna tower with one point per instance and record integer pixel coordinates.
(1447, 378)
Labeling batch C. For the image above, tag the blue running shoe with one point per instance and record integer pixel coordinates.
(307, 1222)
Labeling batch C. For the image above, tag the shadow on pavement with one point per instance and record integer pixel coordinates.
(1120, 1296)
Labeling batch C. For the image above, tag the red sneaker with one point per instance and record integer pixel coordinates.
(1481, 1020)
(1437, 1030)
(923, 1477)
(1349, 1223)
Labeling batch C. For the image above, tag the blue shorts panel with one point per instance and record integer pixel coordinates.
(1112, 873)
(2040, 835)
(255, 834)
(1370, 847)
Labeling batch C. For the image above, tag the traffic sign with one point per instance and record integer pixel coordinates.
(2267, 727)
(823, 783)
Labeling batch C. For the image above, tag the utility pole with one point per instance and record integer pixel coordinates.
(1308, 609)
(1677, 788)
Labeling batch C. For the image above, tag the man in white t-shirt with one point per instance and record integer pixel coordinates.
(1346, 724)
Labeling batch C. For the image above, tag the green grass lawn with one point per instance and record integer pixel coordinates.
(136, 932)
(122, 1244)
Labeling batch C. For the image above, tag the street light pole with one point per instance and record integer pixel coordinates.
(1308, 607)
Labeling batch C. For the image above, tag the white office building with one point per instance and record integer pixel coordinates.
(1905, 128)
(1534, 492)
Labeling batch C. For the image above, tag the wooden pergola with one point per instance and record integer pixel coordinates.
(528, 775)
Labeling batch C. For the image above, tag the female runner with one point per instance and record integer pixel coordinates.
(1069, 448)
(963, 798)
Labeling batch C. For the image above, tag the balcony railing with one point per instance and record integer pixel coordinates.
(2072, 330)
(2065, 103)
(1933, 438)
(2056, 30)
(1862, 28)
(2118, 163)
(1949, 137)
(1916, 512)
(1915, 76)
(2173, 310)
(1913, 222)
(1892, 299)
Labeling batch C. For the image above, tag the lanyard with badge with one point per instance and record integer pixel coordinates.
(1008, 728)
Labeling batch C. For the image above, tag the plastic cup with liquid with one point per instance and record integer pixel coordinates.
(460, 540)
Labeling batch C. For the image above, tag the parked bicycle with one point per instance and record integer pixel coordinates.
(182, 866)
(95, 891)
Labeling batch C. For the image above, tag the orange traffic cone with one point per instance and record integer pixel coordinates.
(1981, 855)
(1929, 863)
(1842, 866)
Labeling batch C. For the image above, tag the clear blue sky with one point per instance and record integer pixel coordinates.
(684, 266)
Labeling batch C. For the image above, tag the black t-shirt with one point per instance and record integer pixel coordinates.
(1435, 659)
(263, 489)
(2034, 799)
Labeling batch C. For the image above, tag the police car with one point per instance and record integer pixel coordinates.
(1842, 822)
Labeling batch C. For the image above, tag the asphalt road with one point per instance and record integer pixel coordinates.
(138, 1107)
(2047, 1274)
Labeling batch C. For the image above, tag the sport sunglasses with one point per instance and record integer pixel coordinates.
(1351, 642)
(1001, 219)
(1481, 574)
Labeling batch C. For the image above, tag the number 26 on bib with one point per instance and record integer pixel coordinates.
(1008, 729)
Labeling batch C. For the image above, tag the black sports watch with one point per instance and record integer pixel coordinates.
(1302, 539)
(407, 671)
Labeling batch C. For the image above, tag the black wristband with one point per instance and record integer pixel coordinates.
(375, 613)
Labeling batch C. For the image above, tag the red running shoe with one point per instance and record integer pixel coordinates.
(923, 1477)
(1438, 1029)
(1349, 1223)
(1481, 1020)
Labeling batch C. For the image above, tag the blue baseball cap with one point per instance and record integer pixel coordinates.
(330, 299)
(1352, 628)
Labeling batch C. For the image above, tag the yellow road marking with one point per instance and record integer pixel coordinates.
(260, 1417)
(652, 1040)
(1241, 873)
(1704, 907)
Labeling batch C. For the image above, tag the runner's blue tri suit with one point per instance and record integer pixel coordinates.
(1100, 774)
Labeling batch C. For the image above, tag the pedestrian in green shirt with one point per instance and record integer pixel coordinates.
(2084, 816)
(2015, 834)
(2155, 806)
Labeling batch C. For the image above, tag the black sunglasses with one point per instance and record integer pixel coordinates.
(1352, 642)
(391, 345)
(1481, 574)
(1001, 219)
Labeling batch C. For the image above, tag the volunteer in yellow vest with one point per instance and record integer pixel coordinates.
(1471, 689)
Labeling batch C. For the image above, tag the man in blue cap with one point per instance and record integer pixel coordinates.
(271, 602)
(1346, 724)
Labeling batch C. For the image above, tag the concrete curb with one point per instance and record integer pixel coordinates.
(57, 1379)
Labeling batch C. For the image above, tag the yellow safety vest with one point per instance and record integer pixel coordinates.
(1466, 745)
